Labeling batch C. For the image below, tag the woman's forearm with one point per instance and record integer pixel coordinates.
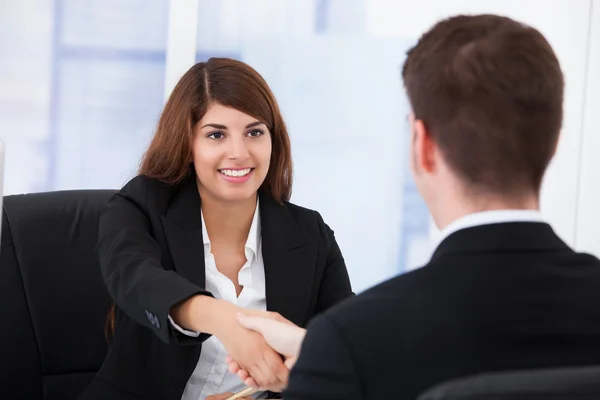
(204, 314)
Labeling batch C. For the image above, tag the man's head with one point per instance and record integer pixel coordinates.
(486, 94)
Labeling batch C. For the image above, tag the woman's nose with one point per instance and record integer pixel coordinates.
(238, 149)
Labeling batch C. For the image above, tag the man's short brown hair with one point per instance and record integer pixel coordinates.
(490, 92)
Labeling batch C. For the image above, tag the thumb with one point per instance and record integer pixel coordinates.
(252, 323)
(289, 362)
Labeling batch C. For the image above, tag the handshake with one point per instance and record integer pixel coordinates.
(262, 346)
(267, 351)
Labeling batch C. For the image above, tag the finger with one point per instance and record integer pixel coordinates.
(263, 373)
(228, 359)
(278, 368)
(284, 338)
(234, 367)
(243, 375)
(251, 382)
(257, 324)
(274, 369)
(266, 314)
(289, 362)
(257, 372)
(251, 322)
(283, 374)
(278, 317)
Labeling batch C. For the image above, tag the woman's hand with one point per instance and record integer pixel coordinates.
(248, 347)
(280, 334)
(252, 353)
(250, 350)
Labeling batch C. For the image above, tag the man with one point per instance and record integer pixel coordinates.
(502, 291)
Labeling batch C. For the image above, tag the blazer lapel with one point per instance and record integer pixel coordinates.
(182, 224)
(289, 259)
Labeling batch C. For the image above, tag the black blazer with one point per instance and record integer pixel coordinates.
(151, 255)
(495, 297)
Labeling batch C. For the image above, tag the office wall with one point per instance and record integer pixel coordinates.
(566, 24)
(82, 83)
(81, 86)
(364, 27)
(588, 211)
(339, 89)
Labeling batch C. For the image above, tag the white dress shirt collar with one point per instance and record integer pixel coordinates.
(490, 217)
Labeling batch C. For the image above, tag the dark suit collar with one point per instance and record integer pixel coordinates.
(182, 224)
(501, 237)
(289, 255)
(278, 226)
(185, 208)
(290, 259)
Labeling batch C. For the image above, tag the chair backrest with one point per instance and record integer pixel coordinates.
(53, 303)
(575, 383)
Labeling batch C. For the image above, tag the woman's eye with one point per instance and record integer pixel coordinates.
(216, 135)
(255, 133)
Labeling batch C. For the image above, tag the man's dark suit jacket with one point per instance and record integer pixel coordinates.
(151, 254)
(494, 297)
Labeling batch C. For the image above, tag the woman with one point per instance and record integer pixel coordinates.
(203, 232)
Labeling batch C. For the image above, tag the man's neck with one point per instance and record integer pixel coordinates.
(450, 211)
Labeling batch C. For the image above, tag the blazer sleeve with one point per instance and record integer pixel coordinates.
(335, 285)
(326, 368)
(130, 262)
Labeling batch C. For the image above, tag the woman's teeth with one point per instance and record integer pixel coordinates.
(235, 172)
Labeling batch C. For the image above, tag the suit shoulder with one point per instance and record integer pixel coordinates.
(309, 220)
(394, 298)
(299, 211)
(305, 216)
(147, 192)
(144, 184)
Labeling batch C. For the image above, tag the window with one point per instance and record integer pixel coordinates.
(81, 90)
(340, 91)
(82, 85)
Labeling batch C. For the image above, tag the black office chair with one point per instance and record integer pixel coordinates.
(576, 383)
(53, 303)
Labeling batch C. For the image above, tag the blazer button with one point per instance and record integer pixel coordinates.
(150, 317)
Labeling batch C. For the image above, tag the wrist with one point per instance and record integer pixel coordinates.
(202, 313)
(212, 316)
(299, 338)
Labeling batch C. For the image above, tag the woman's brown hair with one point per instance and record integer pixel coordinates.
(230, 83)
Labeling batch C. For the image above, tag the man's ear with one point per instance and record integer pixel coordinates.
(423, 146)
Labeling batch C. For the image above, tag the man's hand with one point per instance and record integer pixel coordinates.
(218, 317)
(265, 314)
(283, 336)
(280, 334)
(253, 355)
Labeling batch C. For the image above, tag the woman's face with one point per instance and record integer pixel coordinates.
(231, 152)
